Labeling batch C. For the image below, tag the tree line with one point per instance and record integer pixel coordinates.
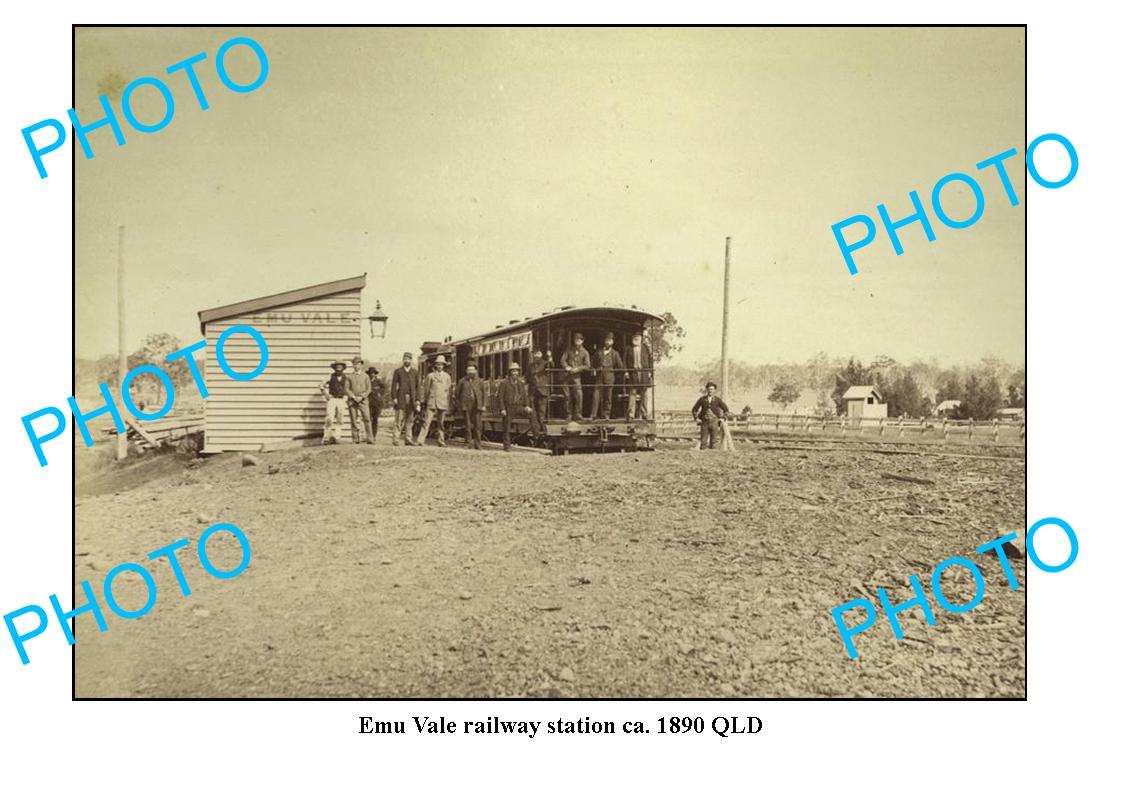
(910, 390)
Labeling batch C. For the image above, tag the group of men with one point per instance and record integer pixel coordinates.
(516, 398)
(360, 392)
(608, 369)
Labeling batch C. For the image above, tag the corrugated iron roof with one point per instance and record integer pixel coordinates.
(862, 391)
(281, 299)
(558, 313)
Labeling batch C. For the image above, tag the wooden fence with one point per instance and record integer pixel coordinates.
(680, 425)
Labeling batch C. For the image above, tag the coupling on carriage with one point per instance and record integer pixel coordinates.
(598, 402)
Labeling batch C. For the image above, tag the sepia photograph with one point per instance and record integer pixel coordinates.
(549, 362)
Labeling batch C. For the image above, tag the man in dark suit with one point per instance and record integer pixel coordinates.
(710, 410)
(405, 396)
(575, 361)
(608, 368)
(470, 398)
(538, 382)
(514, 400)
(637, 359)
(377, 387)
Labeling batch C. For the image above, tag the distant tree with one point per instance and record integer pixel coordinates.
(666, 337)
(982, 398)
(819, 371)
(153, 351)
(851, 374)
(949, 387)
(903, 395)
(784, 393)
(824, 406)
(1016, 389)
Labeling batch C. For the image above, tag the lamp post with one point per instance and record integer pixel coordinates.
(378, 317)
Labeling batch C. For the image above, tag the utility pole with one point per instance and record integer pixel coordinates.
(122, 355)
(725, 326)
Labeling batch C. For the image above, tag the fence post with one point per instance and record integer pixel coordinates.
(996, 429)
(970, 429)
(901, 426)
(881, 428)
(945, 429)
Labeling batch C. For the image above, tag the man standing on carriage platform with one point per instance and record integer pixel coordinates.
(575, 361)
(514, 399)
(637, 359)
(609, 367)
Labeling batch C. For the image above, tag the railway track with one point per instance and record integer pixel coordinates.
(869, 445)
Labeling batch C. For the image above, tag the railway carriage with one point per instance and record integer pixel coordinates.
(553, 331)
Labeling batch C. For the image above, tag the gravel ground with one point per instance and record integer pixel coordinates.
(402, 572)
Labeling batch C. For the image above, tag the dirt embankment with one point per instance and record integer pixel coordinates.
(381, 572)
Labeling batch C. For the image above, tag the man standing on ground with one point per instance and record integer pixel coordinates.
(406, 399)
(538, 384)
(435, 395)
(607, 365)
(335, 393)
(575, 361)
(470, 400)
(376, 389)
(513, 400)
(358, 402)
(710, 410)
(637, 359)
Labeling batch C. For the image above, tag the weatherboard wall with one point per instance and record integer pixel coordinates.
(283, 402)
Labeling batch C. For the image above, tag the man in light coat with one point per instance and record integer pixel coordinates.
(435, 394)
(358, 403)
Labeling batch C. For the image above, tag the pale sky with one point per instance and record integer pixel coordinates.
(478, 175)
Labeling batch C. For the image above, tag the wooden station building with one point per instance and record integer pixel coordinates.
(305, 330)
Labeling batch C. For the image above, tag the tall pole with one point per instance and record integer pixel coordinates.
(122, 356)
(725, 326)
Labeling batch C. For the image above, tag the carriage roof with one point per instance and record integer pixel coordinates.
(605, 312)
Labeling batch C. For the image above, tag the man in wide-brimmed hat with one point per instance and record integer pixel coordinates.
(335, 393)
(358, 396)
(436, 393)
(377, 387)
